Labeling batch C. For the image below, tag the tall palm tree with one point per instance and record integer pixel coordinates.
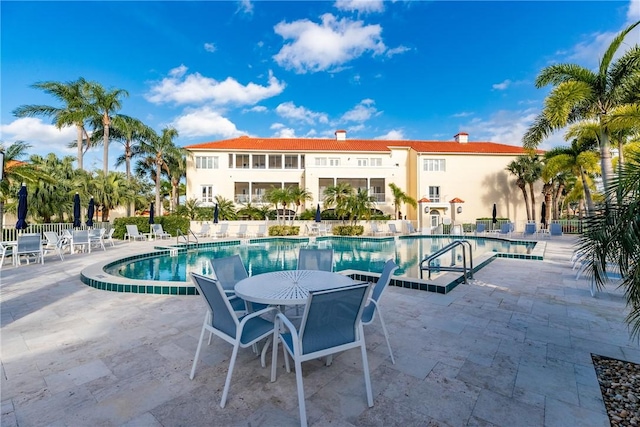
(336, 196)
(580, 93)
(75, 109)
(111, 190)
(175, 168)
(161, 148)
(54, 197)
(360, 205)
(298, 197)
(105, 103)
(279, 196)
(532, 174)
(400, 197)
(517, 168)
(226, 208)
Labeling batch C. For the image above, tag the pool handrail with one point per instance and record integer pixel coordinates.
(447, 248)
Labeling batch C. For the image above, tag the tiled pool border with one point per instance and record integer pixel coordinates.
(96, 276)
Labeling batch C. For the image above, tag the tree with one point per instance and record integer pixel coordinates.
(400, 197)
(75, 110)
(104, 103)
(336, 196)
(53, 197)
(517, 168)
(612, 236)
(532, 173)
(360, 204)
(226, 208)
(298, 197)
(110, 191)
(580, 94)
(279, 196)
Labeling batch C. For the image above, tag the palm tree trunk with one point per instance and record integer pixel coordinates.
(158, 205)
(557, 196)
(605, 158)
(587, 192)
(620, 155)
(533, 202)
(105, 142)
(526, 202)
(80, 134)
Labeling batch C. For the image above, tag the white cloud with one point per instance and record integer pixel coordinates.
(285, 132)
(256, 109)
(43, 137)
(289, 110)
(210, 47)
(633, 14)
(502, 86)
(397, 50)
(361, 112)
(319, 47)
(463, 114)
(394, 134)
(277, 126)
(245, 6)
(205, 122)
(363, 6)
(183, 88)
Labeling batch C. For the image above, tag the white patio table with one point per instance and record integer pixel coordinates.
(288, 287)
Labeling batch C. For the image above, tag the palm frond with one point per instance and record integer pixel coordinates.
(562, 100)
(561, 73)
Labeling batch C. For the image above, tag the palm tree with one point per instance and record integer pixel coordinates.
(298, 197)
(111, 190)
(400, 197)
(105, 103)
(360, 204)
(279, 196)
(532, 173)
(175, 168)
(336, 196)
(580, 94)
(74, 112)
(226, 208)
(517, 168)
(53, 197)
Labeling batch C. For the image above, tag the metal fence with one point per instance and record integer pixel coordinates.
(9, 233)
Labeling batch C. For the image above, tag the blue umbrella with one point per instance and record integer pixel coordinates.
(22, 208)
(76, 211)
(494, 216)
(151, 213)
(318, 217)
(216, 214)
(90, 211)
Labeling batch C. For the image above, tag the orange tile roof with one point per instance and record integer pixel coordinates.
(364, 145)
(424, 200)
(456, 200)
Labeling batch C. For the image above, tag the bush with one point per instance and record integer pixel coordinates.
(284, 230)
(348, 230)
(170, 224)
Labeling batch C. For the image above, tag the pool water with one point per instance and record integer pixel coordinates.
(274, 255)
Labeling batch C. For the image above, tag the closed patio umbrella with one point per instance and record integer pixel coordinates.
(22, 208)
(494, 216)
(216, 214)
(318, 217)
(543, 215)
(151, 213)
(90, 211)
(76, 211)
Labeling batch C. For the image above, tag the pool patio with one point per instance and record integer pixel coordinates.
(513, 348)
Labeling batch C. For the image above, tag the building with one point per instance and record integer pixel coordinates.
(459, 179)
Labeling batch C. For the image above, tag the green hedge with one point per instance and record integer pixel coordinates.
(348, 230)
(170, 224)
(284, 230)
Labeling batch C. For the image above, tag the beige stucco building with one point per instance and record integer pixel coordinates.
(438, 173)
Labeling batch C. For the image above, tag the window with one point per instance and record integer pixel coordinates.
(434, 194)
(321, 161)
(334, 161)
(363, 162)
(242, 161)
(434, 165)
(275, 161)
(230, 161)
(376, 162)
(291, 162)
(207, 193)
(259, 161)
(208, 162)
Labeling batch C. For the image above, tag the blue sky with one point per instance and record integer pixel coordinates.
(220, 69)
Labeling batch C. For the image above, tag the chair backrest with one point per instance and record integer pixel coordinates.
(262, 228)
(29, 242)
(555, 229)
(456, 229)
(157, 228)
(374, 227)
(385, 278)
(109, 234)
(205, 228)
(96, 233)
(132, 230)
(52, 237)
(331, 318)
(315, 259)
(392, 228)
(80, 236)
(242, 228)
(529, 228)
(410, 228)
(505, 228)
(223, 227)
(480, 228)
(228, 271)
(224, 318)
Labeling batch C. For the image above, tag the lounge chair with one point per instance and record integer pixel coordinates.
(223, 231)
(392, 228)
(262, 230)
(555, 229)
(456, 230)
(29, 245)
(331, 324)
(204, 230)
(315, 259)
(80, 240)
(375, 231)
(410, 228)
(529, 229)
(158, 232)
(133, 233)
(222, 321)
(56, 243)
(242, 230)
(506, 229)
(481, 229)
(323, 230)
(5, 251)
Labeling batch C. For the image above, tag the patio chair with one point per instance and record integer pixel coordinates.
(158, 232)
(331, 324)
(315, 259)
(5, 251)
(223, 231)
(228, 271)
(222, 321)
(133, 233)
(456, 230)
(529, 229)
(311, 231)
(57, 243)
(481, 229)
(108, 236)
(555, 229)
(29, 245)
(506, 229)
(96, 238)
(323, 230)
(392, 228)
(373, 303)
(262, 230)
(204, 230)
(242, 230)
(410, 228)
(375, 231)
(80, 240)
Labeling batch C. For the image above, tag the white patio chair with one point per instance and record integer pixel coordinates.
(262, 230)
(56, 243)
(228, 271)
(80, 240)
(323, 229)
(242, 230)
(133, 233)
(222, 321)
(331, 324)
(108, 236)
(204, 230)
(96, 238)
(5, 251)
(29, 245)
(375, 231)
(223, 231)
(373, 302)
(315, 259)
(158, 232)
(392, 228)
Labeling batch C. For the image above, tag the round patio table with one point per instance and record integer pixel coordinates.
(288, 287)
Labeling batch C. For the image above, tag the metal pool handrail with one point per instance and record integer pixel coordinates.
(465, 244)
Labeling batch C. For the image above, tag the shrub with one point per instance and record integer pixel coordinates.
(284, 230)
(170, 224)
(348, 230)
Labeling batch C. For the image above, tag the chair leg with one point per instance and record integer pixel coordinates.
(301, 404)
(386, 335)
(365, 368)
(274, 354)
(227, 382)
(195, 358)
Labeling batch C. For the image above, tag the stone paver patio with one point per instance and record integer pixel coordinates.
(513, 348)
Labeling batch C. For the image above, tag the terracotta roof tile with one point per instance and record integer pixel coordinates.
(456, 200)
(364, 145)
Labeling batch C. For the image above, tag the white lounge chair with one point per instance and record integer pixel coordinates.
(80, 240)
(392, 228)
(133, 233)
(29, 245)
(262, 230)
(204, 230)
(410, 228)
(375, 231)
(223, 231)
(56, 243)
(242, 230)
(158, 232)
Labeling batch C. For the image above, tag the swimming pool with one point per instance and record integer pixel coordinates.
(266, 255)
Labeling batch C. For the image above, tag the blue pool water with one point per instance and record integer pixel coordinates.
(273, 255)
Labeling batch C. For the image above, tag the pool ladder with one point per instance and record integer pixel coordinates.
(185, 237)
(425, 264)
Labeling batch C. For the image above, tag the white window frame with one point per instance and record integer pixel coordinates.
(334, 161)
(362, 162)
(207, 194)
(434, 193)
(321, 161)
(207, 162)
(434, 165)
(375, 162)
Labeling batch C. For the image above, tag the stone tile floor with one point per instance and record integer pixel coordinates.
(513, 348)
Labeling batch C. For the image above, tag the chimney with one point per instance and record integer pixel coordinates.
(341, 135)
(462, 138)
